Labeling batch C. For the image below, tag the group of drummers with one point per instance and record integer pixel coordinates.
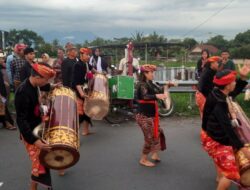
(49, 122)
(51, 103)
(48, 114)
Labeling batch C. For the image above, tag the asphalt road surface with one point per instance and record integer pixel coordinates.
(109, 160)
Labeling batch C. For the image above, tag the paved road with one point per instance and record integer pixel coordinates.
(109, 160)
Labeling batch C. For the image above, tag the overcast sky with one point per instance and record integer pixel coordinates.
(118, 18)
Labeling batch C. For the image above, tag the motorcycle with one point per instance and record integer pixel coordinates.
(122, 110)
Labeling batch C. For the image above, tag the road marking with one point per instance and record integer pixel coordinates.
(1, 184)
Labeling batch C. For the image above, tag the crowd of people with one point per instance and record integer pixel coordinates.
(75, 68)
(29, 79)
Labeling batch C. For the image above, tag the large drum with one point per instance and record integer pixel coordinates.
(97, 105)
(242, 129)
(61, 131)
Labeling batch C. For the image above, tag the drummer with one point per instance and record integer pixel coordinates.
(28, 117)
(80, 78)
(219, 138)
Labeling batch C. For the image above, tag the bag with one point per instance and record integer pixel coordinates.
(162, 141)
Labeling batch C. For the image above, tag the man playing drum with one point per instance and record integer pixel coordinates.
(80, 76)
(219, 138)
(29, 116)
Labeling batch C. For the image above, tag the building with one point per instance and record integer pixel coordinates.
(196, 51)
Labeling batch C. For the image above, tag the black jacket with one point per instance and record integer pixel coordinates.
(25, 71)
(67, 67)
(206, 85)
(27, 106)
(79, 75)
(147, 91)
(216, 117)
(104, 64)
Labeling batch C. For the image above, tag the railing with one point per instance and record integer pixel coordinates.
(175, 73)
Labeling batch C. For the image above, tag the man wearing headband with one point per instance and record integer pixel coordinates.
(206, 85)
(148, 117)
(219, 138)
(80, 78)
(29, 116)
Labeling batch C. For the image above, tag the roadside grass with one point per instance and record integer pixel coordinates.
(185, 104)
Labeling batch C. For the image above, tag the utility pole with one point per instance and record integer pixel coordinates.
(3, 40)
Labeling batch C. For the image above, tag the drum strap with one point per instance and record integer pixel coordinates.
(156, 118)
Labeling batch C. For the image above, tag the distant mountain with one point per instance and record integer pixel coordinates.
(64, 37)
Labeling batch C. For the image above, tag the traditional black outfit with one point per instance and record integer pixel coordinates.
(67, 70)
(205, 85)
(25, 71)
(79, 77)
(148, 117)
(218, 136)
(28, 117)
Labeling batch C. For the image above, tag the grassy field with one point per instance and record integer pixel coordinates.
(185, 104)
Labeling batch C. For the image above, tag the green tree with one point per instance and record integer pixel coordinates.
(138, 37)
(154, 37)
(189, 43)
(28, 37)
(218, 41)
(241, 52)
(47, 48)
(242, 39)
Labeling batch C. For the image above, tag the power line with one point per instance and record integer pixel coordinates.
(210, 17)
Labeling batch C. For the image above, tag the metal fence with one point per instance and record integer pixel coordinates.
(175, 73)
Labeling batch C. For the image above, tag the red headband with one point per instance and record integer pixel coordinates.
(44, 71)
(148, 67)
(85, 50)
(225, 80)
(213, 59)
(19, 47)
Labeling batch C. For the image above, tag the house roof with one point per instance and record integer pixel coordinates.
(198, 49)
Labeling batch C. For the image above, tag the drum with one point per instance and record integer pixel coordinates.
(61, 131)
(242, 129)
(97, 105)
(244, 167)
